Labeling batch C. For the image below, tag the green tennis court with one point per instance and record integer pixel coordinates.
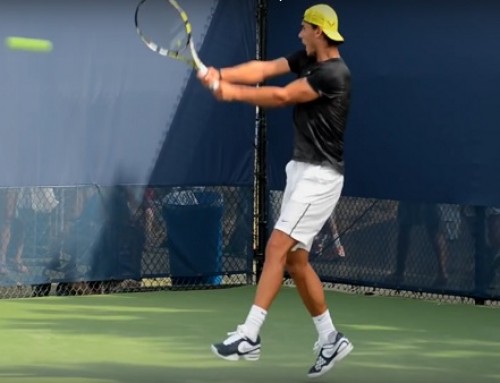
(165, 337)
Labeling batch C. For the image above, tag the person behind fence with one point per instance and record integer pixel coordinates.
(11, 233)
(321, 98)
(149, 214)
(116, 254)
(328, 240)
(411, 214)
(69, 248)
(487, 264)
(101, 245)
(493, 214)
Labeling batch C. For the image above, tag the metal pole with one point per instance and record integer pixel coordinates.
(481, 256)
(260, 153)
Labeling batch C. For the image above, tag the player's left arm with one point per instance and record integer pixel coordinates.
(296, 92)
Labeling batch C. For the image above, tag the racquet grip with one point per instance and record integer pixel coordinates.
(202, 71)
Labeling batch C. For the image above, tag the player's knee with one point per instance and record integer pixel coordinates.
(275, 254)
(295, 267)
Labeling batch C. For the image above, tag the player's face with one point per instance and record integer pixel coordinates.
(307, 36)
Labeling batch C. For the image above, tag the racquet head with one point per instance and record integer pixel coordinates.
(165, 29)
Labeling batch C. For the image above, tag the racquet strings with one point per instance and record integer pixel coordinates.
(162, 24)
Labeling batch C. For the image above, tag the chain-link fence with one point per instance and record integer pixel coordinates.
(82, 240)
(416, 247)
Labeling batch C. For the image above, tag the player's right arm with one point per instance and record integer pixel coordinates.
(249, 73)
(255, 72)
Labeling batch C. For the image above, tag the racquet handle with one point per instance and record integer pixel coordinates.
(202, 72)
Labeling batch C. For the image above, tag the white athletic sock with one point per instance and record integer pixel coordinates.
(254, 322)
(324, 326)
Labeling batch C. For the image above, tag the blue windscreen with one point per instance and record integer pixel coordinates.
(103, 109)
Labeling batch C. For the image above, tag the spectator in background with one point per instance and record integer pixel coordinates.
(451, 219)
(328, 242)
(486, 235)
(493, 227)
(11, 232)
(412, 214)
(146, 210)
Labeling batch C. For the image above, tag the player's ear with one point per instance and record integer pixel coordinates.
(318, 32)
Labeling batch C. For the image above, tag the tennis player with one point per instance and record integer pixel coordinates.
(321, 97)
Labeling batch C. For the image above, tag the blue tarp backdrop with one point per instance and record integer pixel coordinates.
(103, 109)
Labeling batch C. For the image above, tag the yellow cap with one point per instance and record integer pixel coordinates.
(326, 18)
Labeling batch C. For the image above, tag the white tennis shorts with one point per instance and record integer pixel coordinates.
(309, 199)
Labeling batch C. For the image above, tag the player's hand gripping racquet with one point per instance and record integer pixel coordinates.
(170, 26)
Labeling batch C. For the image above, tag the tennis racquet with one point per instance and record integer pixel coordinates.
(172, 31)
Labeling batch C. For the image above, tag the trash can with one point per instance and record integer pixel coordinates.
(193, 222)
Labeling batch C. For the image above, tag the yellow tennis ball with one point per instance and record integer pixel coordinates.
(28, 44)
